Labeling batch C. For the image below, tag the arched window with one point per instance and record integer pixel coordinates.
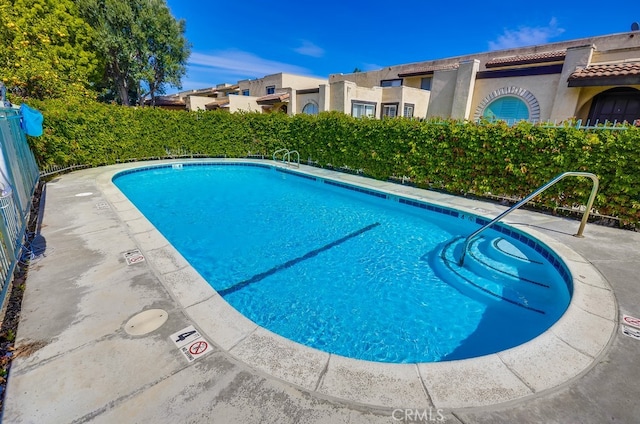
(508, 108)
(509, 104)
(310, 109)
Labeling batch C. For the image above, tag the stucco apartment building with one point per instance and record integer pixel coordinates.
(593, 79)
(280, 92)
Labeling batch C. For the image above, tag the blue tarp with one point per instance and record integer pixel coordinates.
(31, 122)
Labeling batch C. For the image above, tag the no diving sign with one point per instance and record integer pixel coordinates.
(632, 321)
(630, 326)
(191, 343)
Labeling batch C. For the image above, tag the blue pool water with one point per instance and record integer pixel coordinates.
(350, 271)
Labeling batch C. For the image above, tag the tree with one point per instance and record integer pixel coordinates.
(142, 46)
(166, 53)
(45, 49)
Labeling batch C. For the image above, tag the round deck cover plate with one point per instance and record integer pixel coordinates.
(146, 321)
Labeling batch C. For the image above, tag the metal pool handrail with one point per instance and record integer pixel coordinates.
(278, 151)
(585, 215)
(286, 156)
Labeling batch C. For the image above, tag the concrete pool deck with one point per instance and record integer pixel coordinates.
(80, 361)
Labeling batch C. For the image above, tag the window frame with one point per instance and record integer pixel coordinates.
(390, 82)
(404, 109)
(310, 103)
(366, 104)
(422, 83)
(509, 120)
(270, 89)
(384, 106)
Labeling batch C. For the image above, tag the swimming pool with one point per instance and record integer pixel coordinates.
(354, 272)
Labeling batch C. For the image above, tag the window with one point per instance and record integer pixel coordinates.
(425, 83)
(391, 83)
(510, 104)
(408, 110)
(271, 89)
(310, 109)
(232, 93)
(507, 108)
(245, 92)
(390, 110)
(360, 109)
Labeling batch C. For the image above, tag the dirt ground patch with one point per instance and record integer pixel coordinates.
(13, 301)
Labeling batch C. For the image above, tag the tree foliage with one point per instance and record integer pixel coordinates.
(45, 49)
(142, 46)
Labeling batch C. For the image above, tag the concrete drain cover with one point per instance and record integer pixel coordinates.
(145, 322)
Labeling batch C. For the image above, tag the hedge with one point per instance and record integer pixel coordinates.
(459, 157)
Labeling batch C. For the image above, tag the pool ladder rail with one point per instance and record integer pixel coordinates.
(286, 157)
(585, 215)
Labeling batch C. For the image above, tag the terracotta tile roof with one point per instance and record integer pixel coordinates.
(273, 98)
(216, 104)
(205, 92)
(167, 101)
(605, 71)
(425, 70)
(527, 59)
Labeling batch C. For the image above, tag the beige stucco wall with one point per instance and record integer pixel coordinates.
(419, 98)
(585, 99)
(463, 93)
(258, 87)
(343, 92)
(367, 79)
(624, 40)
(338, 96)
(391, 94)
(565, 101)
(616, 55)
(300, 82)
(365, 94)
(303, 99)
(401, 95)
(197, 102)
(443, 87)
(543, 88)
(413, 81)
(324, 97)
(243, 103)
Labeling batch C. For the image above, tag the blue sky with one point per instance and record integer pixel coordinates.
(234, 41)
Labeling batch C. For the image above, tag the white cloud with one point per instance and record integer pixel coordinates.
(309, 49)
(526, 36)
(242, 64)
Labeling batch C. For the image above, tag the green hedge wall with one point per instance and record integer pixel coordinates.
(458, 157)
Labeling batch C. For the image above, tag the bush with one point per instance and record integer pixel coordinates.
(468, 158)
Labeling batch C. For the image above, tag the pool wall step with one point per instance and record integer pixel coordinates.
(529, 276)
(487, 284)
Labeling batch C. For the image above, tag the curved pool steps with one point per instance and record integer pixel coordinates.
(519, 281)
(515, 269)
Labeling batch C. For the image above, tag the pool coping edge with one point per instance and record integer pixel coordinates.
(469, 383)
